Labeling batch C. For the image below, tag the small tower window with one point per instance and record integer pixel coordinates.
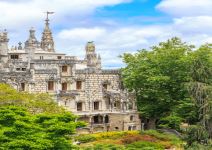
(64, 68)
(59, 57)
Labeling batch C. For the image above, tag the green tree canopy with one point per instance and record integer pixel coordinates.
(158, 78)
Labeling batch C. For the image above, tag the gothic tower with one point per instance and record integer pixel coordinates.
(47, 42)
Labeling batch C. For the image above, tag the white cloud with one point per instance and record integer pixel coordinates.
(111, 43)
(186, 7)
(29, 12)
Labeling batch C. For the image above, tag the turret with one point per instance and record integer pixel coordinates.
(3, 49)
(32, 41)
(91, 57)
(3, 43)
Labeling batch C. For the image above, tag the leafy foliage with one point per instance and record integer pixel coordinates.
(200, 86)
(158, 78)
(22, 130)
(34, 121)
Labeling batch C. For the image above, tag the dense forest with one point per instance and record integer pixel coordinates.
(172, 82)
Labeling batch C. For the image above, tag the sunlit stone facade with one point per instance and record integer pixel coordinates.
(81, 86)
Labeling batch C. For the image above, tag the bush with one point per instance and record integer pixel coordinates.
(196, 133)
(85, 138)
(105, 147)
(131, 138)
(145, 146)
(196, 146)
(172, 122)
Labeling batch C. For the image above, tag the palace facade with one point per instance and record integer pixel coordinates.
(81, 86)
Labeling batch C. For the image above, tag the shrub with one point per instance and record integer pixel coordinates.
(85, 138)
(196, 146)
(172, 122)
(145, 146)
(196, 133)
(105, 147)
(130, 139)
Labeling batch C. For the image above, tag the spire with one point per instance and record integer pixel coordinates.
(47, 42)
(32, 41)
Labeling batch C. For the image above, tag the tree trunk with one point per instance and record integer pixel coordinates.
(151, 123)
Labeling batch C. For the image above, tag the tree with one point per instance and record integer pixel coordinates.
(200, 86)
(36, 103)
(158, 78)
(19, 129)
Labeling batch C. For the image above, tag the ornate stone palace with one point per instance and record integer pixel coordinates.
(81, 86)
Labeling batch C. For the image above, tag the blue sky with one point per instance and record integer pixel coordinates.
(116, 26)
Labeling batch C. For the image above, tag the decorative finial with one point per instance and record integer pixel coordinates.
(47, 16)
(19, 46)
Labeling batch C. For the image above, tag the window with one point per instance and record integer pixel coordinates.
(115, 104)
(79, 106)
(41, 57)
(22, 87)
(96, 105)
(104, 86)
(129, 128)
(18, 69)
(23, 69)
(106, 119)
(131, 118)
(79, 85)
(64, 86)
(59, 57)
(64, 68)
(116, 128)
(130, 106)
(14, 57)
(97, 119)
(50, 85)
